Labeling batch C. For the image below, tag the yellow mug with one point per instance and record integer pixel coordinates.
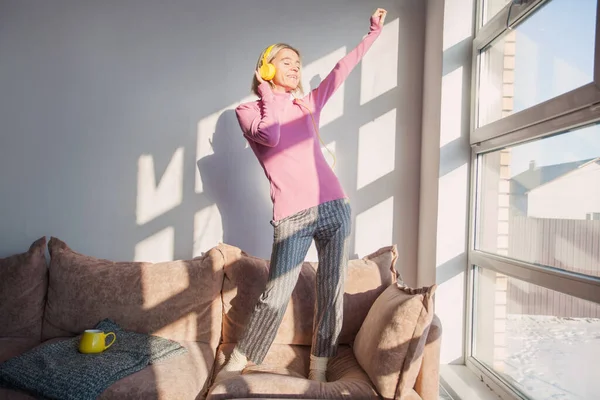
(94, 341)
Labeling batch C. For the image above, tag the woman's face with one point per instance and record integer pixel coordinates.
(287, 69)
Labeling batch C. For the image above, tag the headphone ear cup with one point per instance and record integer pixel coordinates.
(267, 71)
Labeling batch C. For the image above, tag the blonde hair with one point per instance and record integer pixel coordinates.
(276, 48)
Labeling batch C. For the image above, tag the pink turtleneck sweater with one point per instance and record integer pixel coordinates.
(280, 131)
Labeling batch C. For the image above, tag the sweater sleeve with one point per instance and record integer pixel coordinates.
(260, 124)
(320, 95)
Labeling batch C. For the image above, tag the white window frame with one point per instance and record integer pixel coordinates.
(577, 108)
(582, 97)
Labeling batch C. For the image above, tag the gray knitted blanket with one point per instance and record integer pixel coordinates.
(60, 371)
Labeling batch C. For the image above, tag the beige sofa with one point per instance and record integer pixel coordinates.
(389, 346)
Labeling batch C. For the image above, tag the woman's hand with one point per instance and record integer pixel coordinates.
(379, 16)
(258, 77)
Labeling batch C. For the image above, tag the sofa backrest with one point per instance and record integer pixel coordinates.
(23, 284)
(178, 300)
(246, 276)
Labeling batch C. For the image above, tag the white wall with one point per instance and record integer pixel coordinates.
(106, 108)
(569, 197)
(454, 175)
(444, 203)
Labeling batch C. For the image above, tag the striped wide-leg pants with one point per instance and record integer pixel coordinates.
(329, 224)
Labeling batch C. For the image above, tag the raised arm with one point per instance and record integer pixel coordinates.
(260, 123)
(320, 95)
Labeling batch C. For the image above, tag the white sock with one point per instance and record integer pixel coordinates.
(318, 368)
(237, 361)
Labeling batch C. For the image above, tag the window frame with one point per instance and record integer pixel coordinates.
(571, 110)
(576, 99)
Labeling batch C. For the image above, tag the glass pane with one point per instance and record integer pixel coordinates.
(539, 202)
(550, 53)
(544, 343)
(491, 8)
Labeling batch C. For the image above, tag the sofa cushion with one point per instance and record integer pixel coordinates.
(9, 348)
(7, 394)
(23, 285)
(283, 374)
(246, 277)
(181, 377)
(391, 341)
(12, 347)
(178, 300)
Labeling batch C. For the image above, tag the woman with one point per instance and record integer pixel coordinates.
(308, 200)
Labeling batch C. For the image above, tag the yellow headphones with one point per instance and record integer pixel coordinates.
(267, 72)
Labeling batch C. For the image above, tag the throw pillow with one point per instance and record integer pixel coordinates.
(390, 343)
(23, 285)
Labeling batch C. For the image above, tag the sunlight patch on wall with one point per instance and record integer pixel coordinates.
(375, 227)
(458, 22)
(328, 156)
(156, 248)
(322, 67)
(449, 307)
(453, 198)
(206, 129)
(452, 104)
(208, 229)
(379, 67)
(376, 149)
(154, 200)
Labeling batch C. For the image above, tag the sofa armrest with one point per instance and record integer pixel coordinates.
(428, 380)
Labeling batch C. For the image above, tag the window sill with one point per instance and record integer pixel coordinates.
(462, 384)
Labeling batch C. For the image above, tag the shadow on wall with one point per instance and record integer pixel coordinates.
(110, 111)
(231, 180)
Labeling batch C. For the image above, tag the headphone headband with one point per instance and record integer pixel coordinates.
(267, 54)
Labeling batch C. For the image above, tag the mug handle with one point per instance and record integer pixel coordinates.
(111, 343)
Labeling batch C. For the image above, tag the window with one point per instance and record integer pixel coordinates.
(534, 197)
(594, 216)
(491, 8)
(543, 342)
(534, 253)
(546, 55)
